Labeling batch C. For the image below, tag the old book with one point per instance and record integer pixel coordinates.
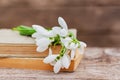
(18, 51)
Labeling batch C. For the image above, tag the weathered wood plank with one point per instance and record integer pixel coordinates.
(101, 40)
(61, 3)
(98, 64)
(90, 17)
(88, 20)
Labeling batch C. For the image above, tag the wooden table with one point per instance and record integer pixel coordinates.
(98, 64)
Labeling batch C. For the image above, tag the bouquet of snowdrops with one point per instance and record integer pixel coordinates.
(58, 35)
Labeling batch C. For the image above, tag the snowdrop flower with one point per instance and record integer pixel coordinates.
(73, 45)
(43, 37)
(50, 58)
(82, 47)
(43, 44)
(63, 30)
(41, 32)
(57, 35)
(62, 62)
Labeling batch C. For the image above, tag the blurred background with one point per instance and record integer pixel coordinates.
(97, 21)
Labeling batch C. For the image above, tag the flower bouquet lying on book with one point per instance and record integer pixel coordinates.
(48, 39)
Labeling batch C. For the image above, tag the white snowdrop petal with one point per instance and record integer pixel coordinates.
(66, 42)
(50, 51)
(76, 45)
(43, 42)
(51, 34)
(41, 30)
(38, 28)
(67, 45)
(56, 30)
(35, 27)
(37, 35)
(44, 33)
(72, 46)
(62, 23)
(72, 54)
(81, 50)
(52, 63)
(62, 40)
(57, 66)
(49, 58)
(63, 33)
(41, 49)
(65, 61)
(83, 44)
(42, 46)
(67, 39)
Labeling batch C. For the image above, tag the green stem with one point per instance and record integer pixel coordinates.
(62, 52)
(25, 30)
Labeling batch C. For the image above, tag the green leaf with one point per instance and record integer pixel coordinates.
(25, 30)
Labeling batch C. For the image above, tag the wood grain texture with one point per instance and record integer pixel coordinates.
(94, 18)
(63, 3)
(36, 63)
(98, 64)
(25, 50)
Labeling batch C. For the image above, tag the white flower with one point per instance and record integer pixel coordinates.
(43, 44)
(45, 38)
(62, 23)
(66, 61)
(50, 58)
(82, 47)
(70, 44)
(57, 66)
(42, 37)
(42, 32)
(63, 62)
(63, 30)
